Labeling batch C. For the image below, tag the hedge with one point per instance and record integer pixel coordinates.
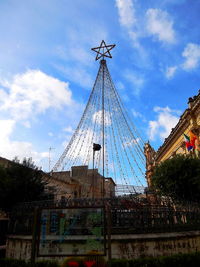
(21, 263)
(179, 260)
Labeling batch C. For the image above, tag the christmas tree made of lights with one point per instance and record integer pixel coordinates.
(106, 123)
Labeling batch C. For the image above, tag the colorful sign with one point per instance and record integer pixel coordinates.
(71, 231)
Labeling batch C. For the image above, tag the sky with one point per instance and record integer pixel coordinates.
(47, 68)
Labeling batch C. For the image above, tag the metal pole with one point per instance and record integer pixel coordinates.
(49, 159)
(93, 176)
(50, 149)
(34, 235)
(103, 62)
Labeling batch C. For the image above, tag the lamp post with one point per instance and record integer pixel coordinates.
(96, 147)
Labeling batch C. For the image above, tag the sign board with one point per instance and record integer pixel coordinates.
(71, 231)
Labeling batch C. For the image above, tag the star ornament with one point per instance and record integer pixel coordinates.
(103, 50)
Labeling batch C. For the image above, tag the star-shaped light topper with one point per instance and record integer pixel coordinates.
(103, 50)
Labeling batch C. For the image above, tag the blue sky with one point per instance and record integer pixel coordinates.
(47, 68)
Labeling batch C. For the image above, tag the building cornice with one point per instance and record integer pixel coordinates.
(181, 126)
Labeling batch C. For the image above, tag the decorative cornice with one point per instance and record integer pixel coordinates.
(183, 124)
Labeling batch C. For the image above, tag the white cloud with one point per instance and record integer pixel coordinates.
(97, 117)
(120, 86)
(81, 150)
(191, 54)
(136, 80)
(128, 19)
(10, 149)
(170, 72)
(27, 124)
(68, 129)
(33, 92)
(131, 143)
(126, 13)
(166, 120)
(75, 52)
(136, 114)
(160, 25)
(125, 97)
(6, 127)
(50, 134)
(78, 75)
(26, 96)
(3, 96)
(66, 142)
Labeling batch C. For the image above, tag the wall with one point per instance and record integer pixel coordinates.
(81, 182)
(5, 162)
(174, 143)
(155, 244)
(123, 246)
(189, 120)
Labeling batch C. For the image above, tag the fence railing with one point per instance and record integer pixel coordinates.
(127, 216)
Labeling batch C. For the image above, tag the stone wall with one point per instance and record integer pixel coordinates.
(123, 246)
(81, 182)
(174, 144)
(189, 120)
(5, 162)
(134, 246)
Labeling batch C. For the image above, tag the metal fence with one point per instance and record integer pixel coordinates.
(154, 219)
(127, 215)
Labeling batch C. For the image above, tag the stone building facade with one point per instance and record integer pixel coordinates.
(174, 143)
(5, 162)
(81, 182)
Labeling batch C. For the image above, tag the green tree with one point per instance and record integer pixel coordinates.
(179, 178)
(20, 183)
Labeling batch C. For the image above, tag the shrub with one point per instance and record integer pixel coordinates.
(90, 260)
(144, 262)
(119, 263)
(178, 177)
(23, 263)
(71, 262)
(12, 263)
(46, 263)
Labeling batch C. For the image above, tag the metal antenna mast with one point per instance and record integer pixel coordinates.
(50, 149)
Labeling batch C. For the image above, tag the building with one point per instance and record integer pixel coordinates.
(174, 143)
(5, 162)
(81, 182)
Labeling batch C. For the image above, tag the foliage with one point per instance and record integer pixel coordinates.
(46, 263)
(90, 260)
(20, 183)
(73, 261)
(119, 263)
(179, 178)
(12, 263)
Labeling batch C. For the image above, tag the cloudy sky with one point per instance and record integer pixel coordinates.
(47, 68)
